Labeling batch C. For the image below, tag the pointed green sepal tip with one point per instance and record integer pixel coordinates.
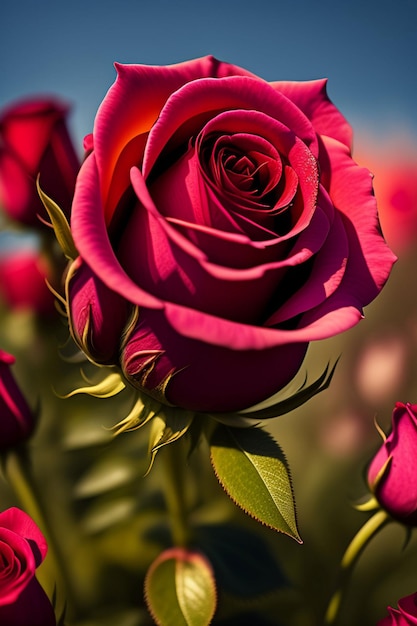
(110, 386)
(59, 223)
(168, 426)
(180, 589)
(253, 471)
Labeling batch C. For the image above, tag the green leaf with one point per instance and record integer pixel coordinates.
(180, 589)
(253, 471)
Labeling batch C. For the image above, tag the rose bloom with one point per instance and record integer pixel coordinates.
(17, 421)
(228, 212)
(23, 272)
(392, 474)
(23, 602)
(34, 139)
(405, 615)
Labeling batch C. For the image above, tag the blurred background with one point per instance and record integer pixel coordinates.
(368, 51)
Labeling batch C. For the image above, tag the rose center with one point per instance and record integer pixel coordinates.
(242, 165)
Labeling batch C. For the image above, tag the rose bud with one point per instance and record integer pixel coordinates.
(97, 315)
(405, 615)
(34, 139)
(17, 421)
(229, 210)
(23, 275)
(22, 550)
(392, 474)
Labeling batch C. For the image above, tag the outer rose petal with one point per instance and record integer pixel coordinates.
(118, 119)
(98, 315)
(311, 96)
(204, 376)
(31, 607)
(20, 523)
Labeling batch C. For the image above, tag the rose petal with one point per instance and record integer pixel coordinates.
(92, 240)
(212, 96)
(134, 102)
(311, 96)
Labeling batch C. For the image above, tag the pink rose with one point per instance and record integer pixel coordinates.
(23, 272)
(23, 602)
(392, 474)
(406, 615)
(34, 139)
(16, 418)
(230, 212)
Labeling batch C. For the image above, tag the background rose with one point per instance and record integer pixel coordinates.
(394, 166)
(229, 210)
(23, 602)
(34, 139)
(23, 275)
(16, 418)
(392, 474)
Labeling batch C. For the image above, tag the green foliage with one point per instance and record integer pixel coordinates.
(241, 559)
(180, 589)
(253, 471)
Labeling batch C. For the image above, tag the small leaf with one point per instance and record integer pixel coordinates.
(180, 589)
(60, 224)
(253, 471)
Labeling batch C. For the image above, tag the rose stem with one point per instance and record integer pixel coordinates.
(350, 557)
(174, 491)
(16, 464)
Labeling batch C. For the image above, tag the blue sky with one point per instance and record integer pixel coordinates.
(366, 48)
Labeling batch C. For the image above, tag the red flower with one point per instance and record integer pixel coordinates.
(230, 212)
(392, 474)
(16, 418)
(405, 615)
(34, 139)
(23, 602)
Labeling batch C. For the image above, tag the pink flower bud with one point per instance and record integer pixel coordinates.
(97, 315)
(392, 475)
(16, 418)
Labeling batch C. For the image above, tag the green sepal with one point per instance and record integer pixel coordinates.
(143, 410)
(59, 223)
(253, 471)
(370, 504)
(168, 426)
(110, 386)
(271, 409)
(180, 589)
